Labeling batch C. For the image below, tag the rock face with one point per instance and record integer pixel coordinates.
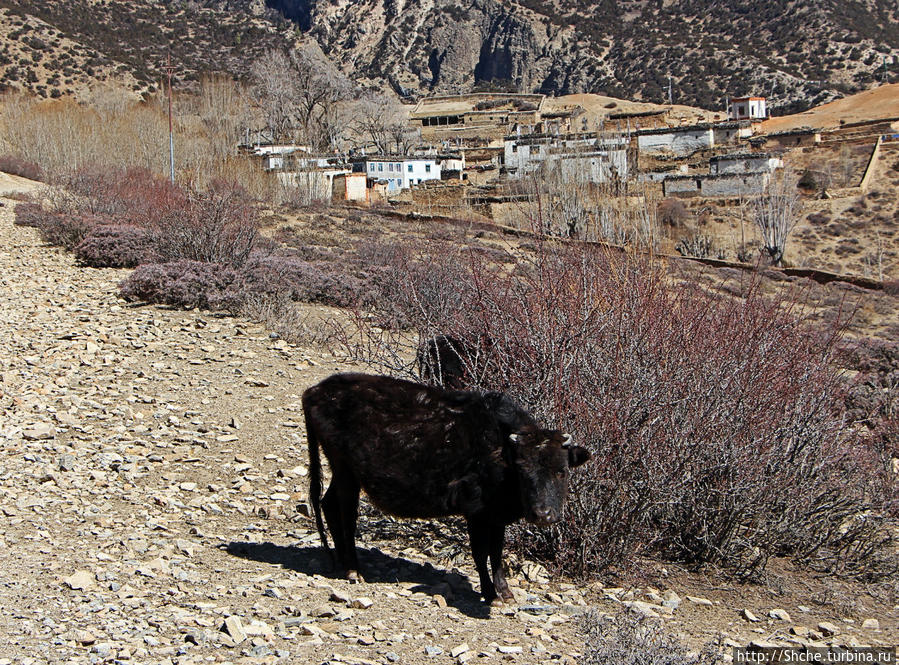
(622, 49)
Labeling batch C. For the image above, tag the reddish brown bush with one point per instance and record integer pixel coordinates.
(130, 196)
(57, 228)
(300, 280)
(221, 286)
(716, 423)
(185, 284)
(29, 213)
(20, 167)
(115, 246)
(220, 225)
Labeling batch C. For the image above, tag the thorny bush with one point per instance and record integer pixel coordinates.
(115, 246)
(715, 422)
(185, 284)
(20, 167)
(216, 225)
(57, 228)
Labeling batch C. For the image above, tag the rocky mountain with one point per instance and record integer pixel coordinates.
(55, 48)
(796, 52)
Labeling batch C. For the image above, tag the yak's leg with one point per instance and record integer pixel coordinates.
(331, 509)
(497, 537)
(479, 535)
(348, 497)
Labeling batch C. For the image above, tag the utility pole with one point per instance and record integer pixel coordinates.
(169, 69)
(670, 95)
(883, 77)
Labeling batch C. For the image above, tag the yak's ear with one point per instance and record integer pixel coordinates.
(577, 456)
(514, 437)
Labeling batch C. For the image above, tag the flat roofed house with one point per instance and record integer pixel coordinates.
(402, 171)
(747, 108)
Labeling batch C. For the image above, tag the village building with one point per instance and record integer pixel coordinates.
(744, 163)
(747, 108)
(582, 156)
(476, 113)
(312, 184)
(791, 138)
(401, 171)
(685, 140)
(720, 185)
(634, 120)
(349, 187)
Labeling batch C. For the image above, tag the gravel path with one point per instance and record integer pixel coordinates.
(153, 505)
(151, 466)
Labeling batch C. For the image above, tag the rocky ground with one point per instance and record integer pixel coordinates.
(152, 493)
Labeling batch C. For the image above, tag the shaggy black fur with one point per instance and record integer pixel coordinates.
(420, 451)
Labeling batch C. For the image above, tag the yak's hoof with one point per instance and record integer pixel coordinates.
(353, 577)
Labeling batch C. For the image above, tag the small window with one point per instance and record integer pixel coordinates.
(409, 168)
(514, 147)
(380, 166)
(427, 168)
(371, 167)
(399, 167)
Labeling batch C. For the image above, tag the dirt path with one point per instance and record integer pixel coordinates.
(158, 457)
(151, 463)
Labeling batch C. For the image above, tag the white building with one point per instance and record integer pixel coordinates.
(747, 108)
(744, 163)
(685, 140)
(676, 140)
(401, 172)
(583, 156)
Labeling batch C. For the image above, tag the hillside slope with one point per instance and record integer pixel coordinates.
(797, 52)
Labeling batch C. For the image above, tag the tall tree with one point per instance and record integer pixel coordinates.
(776, 212)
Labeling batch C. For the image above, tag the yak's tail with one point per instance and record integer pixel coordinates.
(315, 475)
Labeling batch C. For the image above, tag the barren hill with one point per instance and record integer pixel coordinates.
(796, 52)
(876, 104)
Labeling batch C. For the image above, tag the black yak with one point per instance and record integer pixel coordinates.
(420, 451)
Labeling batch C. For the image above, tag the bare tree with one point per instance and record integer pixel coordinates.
(224, 111)
(319, 88)
(776, 212)
(275, 88)
(383, 121)
(300, 94)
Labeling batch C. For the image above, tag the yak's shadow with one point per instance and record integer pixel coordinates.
(376, 566)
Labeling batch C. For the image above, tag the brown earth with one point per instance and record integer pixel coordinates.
(151, 464)
(875, 104)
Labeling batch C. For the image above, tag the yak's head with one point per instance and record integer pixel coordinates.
(543, 458)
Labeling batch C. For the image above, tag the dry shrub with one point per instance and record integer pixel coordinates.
(219, 225)
(115, 246)
(130, 196)
(300, 280)
(262, 283)
(716, 423)
(672, 212)
(216, 225)
(21, 167)
(184, 284)
(630, 638)
(57, 228)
